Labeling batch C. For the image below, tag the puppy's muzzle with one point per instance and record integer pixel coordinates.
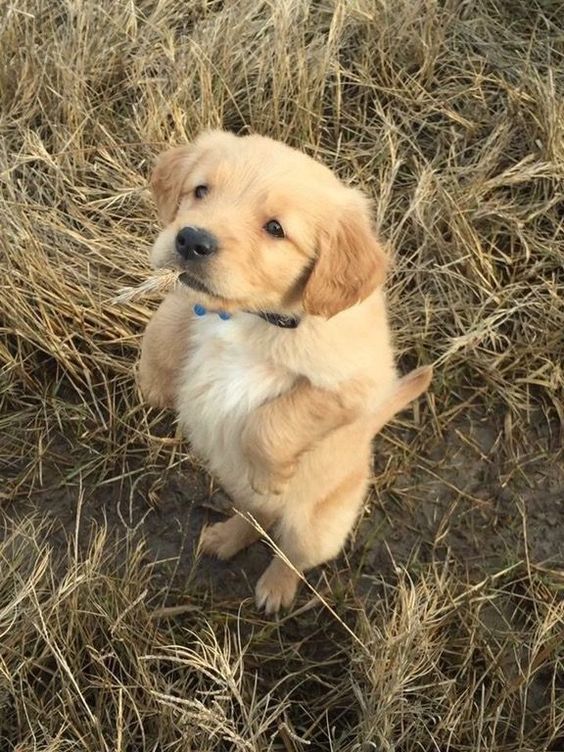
(194, 243)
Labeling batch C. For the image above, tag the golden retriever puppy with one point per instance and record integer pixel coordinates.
(276, 351)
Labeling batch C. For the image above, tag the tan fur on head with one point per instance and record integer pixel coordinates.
(351, 263)
(174, 166)
(328, 259)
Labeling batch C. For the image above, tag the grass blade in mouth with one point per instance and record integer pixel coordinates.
(157, 283)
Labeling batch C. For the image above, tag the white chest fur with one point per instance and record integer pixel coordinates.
(223, 381)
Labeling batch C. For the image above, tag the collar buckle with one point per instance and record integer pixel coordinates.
(280, 320)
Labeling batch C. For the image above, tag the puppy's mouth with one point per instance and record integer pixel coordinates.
(195, 284)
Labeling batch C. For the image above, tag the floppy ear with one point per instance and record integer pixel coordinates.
(168, 178)
(350, 263)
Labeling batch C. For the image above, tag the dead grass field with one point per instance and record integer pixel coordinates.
(442, 627)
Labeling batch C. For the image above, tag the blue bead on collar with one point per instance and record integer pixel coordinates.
(199, 310)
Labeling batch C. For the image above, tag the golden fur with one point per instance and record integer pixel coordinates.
(284, 418)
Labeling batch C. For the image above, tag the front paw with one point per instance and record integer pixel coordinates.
(266, 480)
(276, 588)
(158, 393)
(219, 540)
(269, 469)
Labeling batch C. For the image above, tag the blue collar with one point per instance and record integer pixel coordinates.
(276, 319)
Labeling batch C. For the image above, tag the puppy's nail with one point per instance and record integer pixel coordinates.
(271, 608)
(260, 600)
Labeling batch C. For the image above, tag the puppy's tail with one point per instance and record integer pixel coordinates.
(407, 389)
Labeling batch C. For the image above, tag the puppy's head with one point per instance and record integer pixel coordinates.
(253, 224)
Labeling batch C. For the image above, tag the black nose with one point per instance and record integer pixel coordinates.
(194, 243)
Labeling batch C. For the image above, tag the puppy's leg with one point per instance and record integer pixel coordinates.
(309, 537)
(282, 430)
(279, 432)
(225, 539)
(164, 349)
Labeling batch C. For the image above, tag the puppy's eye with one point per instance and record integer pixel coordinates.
(200, 191)
(274, 228)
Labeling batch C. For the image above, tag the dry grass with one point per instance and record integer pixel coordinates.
(90, 657)
(451, 115)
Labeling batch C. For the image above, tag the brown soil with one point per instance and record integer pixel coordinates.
(461, 499)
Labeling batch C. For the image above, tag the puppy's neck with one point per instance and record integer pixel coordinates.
(276, 319)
